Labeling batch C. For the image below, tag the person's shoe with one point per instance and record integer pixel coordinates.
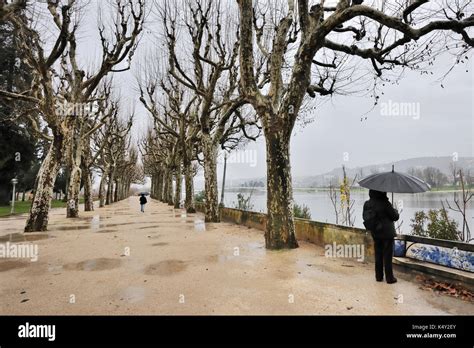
(391, 280)
(379, 279)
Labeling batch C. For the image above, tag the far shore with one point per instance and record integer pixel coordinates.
(324, 189)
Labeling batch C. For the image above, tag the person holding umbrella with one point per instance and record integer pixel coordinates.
(143, 201)
(379, 215)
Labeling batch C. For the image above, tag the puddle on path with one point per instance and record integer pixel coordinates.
(218, 258)
(132, 294)
(148, 227)
(117, 224)
(107, 231)
(95, 222)
(12, 264)
(70, 228)
(100, 264)
(23, 237)
(166, 268)
(199, 225)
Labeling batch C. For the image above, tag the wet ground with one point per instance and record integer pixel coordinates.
(117, 260)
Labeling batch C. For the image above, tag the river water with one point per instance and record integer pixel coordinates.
(321, 207)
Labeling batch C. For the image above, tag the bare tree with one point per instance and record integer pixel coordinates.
(178, 119)
(461, 206)
(9, 8)
(327, 43)
(332, 192)
(347, 203)
(43, 98)
(213, 76)
(81, 86)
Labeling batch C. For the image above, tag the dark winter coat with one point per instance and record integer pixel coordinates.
(386, 214)
(142, 200)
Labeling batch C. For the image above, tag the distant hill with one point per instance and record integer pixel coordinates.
(442, 163)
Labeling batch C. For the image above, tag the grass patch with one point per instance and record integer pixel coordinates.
(24, 207)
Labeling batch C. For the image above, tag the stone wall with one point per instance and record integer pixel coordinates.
(315, 232)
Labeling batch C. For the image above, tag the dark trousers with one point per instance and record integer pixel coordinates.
(383, 258)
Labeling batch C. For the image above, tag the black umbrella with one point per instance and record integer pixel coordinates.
(144, 193)
(394, 182)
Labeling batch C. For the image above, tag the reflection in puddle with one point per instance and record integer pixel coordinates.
(106, 231)
(70, 228)
(256, 245)
(99, 264)
(8, 265)
(199, 225)
(218, 258)
(147, 227)
(133, 294)
(116, 224)
(95, 222)
(55, 269)
(24, 237)
(166, 268)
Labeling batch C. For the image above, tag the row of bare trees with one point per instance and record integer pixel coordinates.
(218, 77)
(194, 101)
(74, 104)
(221, 75)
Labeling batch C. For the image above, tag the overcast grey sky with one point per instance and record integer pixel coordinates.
(443, 124)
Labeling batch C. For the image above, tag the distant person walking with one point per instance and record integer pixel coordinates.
(143, 201)
(379, 216)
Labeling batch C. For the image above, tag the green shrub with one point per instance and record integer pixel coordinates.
(301, 211)
(200, 197)
(438, 225)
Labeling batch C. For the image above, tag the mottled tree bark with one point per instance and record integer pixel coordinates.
(115, 193)
(72, 210)
(210, 179)
(280, 228)
(189, 189)
(110, 188)
(88, 192)
(159, 186)
(74, 161)
(178, 187)
(169, 187)
(38, 217)
(102, 189)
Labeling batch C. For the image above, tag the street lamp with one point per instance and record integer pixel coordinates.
(14, 181)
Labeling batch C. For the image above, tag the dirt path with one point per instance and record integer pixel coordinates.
(117, 260)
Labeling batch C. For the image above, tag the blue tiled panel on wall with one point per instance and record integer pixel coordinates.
(454, 258)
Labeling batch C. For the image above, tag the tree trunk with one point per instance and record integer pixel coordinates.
(74, 161)
(165, 186)
(39, 211)
(116, 190)
(74, 186)
(102, 189)
(66, 170)
(153, 187)
(210, 179)
(169, 187)
(189, 188)
(88, 192)
(159, 186)
(178, 187)
(280, 228)
(110, 188)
